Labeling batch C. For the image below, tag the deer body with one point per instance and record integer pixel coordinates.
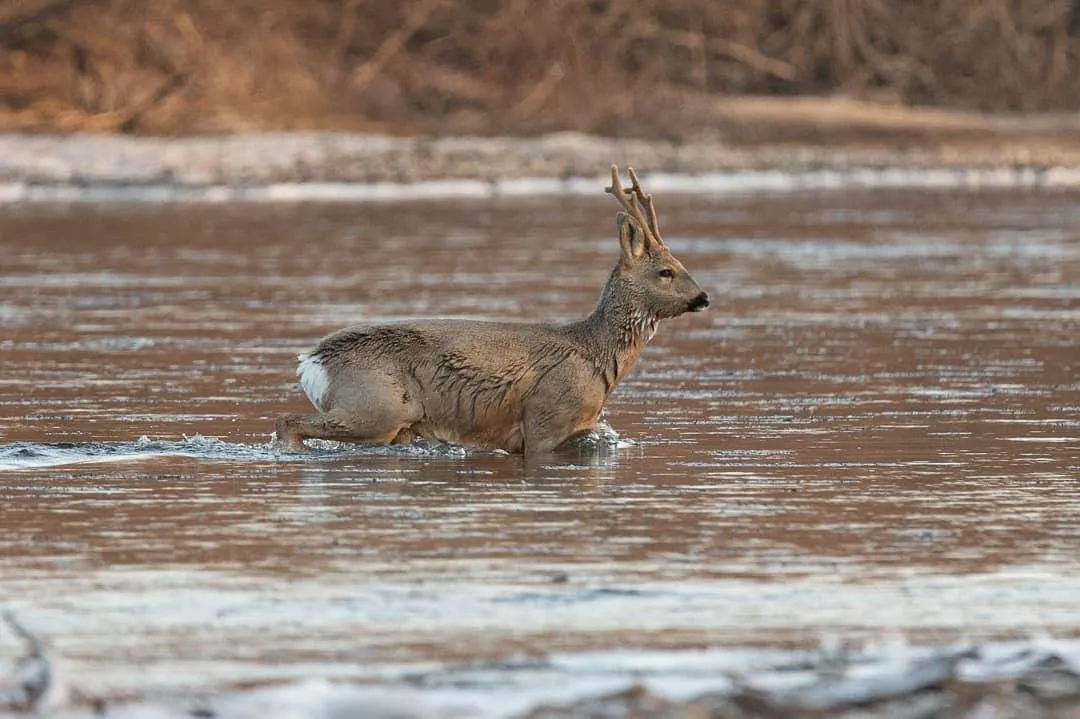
(522, 388)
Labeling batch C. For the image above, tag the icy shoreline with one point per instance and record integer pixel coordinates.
(322, 166)
(1032, 678)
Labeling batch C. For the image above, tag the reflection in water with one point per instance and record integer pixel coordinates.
(874, 430)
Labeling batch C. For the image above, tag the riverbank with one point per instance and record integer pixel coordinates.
(765, 140)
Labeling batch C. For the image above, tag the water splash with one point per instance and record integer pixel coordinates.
(37, 455)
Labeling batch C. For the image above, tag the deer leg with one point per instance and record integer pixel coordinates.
(293, 429)
(364, 406)
(545, 432)
(404, 436)
(287, 429)
(553, 414)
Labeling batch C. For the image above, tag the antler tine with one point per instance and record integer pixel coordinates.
(628, 199)
(646, 199)
(617, 190)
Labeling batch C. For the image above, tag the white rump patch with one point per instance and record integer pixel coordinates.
(313, 379)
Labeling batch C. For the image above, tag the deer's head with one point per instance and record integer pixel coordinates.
(653, 276)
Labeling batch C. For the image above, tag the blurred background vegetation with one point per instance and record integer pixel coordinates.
(649, 68)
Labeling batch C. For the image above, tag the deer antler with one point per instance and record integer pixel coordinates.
(646, 219)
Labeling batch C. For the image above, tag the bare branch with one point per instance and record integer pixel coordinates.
(10, 22)
(393, 44)
(34, 673)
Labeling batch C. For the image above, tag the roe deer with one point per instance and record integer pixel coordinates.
(522, 388)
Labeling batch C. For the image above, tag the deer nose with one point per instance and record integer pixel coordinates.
(699, 303)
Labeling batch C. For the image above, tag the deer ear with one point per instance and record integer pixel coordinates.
(633, 240)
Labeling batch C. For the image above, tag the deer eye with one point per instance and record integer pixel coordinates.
(666, 274)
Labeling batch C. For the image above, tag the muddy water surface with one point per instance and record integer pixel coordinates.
(873, 432)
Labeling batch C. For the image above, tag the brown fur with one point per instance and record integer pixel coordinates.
(523, 388)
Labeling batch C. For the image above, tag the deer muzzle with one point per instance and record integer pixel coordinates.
(698, 303)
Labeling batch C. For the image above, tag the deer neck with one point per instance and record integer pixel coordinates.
(617, 330)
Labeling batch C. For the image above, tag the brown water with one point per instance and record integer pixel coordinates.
(873, 432)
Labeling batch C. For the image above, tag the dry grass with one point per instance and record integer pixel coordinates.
(614, 67)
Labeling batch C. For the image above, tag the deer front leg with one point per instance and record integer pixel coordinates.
(550, 422)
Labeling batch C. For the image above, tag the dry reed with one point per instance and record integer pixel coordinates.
(615, 67)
